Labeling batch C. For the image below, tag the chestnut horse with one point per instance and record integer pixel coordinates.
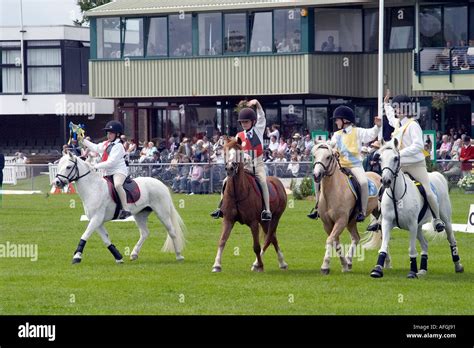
(242, 202)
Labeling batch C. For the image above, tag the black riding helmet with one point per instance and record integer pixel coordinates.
(114, 127)
(247, 114)
(345, 113)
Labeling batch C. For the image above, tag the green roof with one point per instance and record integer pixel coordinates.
(140, 7)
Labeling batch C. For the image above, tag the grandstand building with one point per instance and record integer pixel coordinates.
(43, 86)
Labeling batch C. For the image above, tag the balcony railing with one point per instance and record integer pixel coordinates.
(444, 60)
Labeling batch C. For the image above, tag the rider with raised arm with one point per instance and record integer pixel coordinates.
(254, 124)
(410, 139)
(348, 142)
(113, 161)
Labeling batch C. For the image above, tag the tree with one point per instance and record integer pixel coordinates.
(87, 5)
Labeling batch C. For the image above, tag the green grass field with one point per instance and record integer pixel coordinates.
(157, 284)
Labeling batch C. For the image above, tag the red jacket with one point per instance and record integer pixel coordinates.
(467, 153)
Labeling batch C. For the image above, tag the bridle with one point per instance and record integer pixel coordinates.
(73, 174)
(392, 188)
(327, 168)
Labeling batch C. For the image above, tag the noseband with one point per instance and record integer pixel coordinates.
(328, 166)
(73, 174)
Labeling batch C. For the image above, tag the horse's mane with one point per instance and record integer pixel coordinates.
(320, 146)
(232, 143)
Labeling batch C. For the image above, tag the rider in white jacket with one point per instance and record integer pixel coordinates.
(410, 138)
(113, 161)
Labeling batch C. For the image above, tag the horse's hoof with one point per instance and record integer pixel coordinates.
(422, 272)
(180, 258)
(324, 271)
(459, 268)
(377, 272)
(349, 266)
(118, 262)
(257, 269)
(216, 269)
(412, 275)
(76, 261)
(133, 257)
(284, 267)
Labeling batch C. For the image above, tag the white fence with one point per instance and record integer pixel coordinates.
(9, 175)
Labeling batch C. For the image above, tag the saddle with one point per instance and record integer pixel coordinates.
(131, 189)
(272, 190)
(422, 191)
(355, 188)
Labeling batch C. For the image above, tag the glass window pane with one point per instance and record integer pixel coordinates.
(11, 80)
(371, 30)
(11, 57)
(42, 43)
(210, 34)
(261, 32)
(316, 118)
(430, 27)
(157, 37)
(44, 80)
(362, 114)
(455, 25)
(338, 30)
(471, 25)
(401, 31)
(235, 33)
(44, 56)
(133, 37)
(291, 120)
(287, 30)
(181, 35)
(10, 44)
(108, 37)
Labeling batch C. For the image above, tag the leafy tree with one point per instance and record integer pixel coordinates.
(87, 5)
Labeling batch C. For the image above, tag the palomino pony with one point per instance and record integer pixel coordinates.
(99, 207)
(402, 204)
(337, 203)
(242, 202)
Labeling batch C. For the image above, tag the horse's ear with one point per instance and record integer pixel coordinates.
(239, 141)
(71, 156)
(395, 142)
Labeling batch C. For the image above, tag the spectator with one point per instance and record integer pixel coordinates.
(308, 142)
(125, 142)
(196, 175)
(185, 148)
(132, 148)
(328, 46)
(273, 145)
(456, 149)
(274, 132)
(370, 164)
(306, 157)
(156, 170)
(294, 166)
(299, 142)
(467, 154)
(283, 146)
(445, 148)
(144, 152)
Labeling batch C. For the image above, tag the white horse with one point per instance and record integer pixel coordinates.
(100, 207)
(402, 203)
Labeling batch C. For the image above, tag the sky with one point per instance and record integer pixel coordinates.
(39, 12)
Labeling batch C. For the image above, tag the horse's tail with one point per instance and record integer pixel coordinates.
(372, 240)
(179, 229)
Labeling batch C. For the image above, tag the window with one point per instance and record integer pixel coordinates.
(291, 120)
(431, 34)
(210, 34)
(10, 67)
(235, 33)
(180, 35)
(288, 30)
(108, 37)
(316, 118)
(133, 37)
(401, 28)
(455, 26)
(157, 37)
(362, 114)
(261, 32)
(44, 67)
(338, 30)
(371, 30)
(471, 25)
